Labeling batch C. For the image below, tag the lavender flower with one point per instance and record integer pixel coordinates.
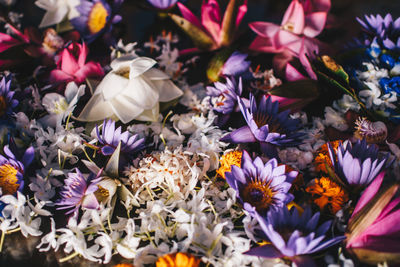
(357, 164)
(96, 18)
(384, 30)
(7, 103)
(162, 4)
(266, 126)
(293, 236)
(79, 191)
(111, 137)
(236, 65)
(225, 95)
(260, 186)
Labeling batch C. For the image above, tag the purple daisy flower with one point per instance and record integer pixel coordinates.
(293, 235)
(162, 4)
(12, 170)
(225, 95)
(79, 191)
(266, 126)
(384, 30)
(111, 137)
(260, 186)
(357, 164)
(236, 64)
(7, 103)
(96, 18)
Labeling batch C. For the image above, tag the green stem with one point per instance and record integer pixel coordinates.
(3, 235)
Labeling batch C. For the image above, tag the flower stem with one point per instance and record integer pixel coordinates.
(3, 235)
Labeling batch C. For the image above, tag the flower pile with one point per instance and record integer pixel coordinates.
(211, 141)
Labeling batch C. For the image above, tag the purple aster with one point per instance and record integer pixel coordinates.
(7, 103)
(225, 95)
(79, 191)
(384, 30)
(293, 235)
(266, 125)
(162, 4)
(236, 65)
(357, 164)
(96, 18)
(12, 170)
(260, 186)
(111, 137)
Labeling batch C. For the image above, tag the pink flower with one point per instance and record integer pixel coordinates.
(72, 65)
(303, 20)
(374, 229)
(213, 31)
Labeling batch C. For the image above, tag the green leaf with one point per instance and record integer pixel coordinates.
(112, 165)
(216, 64)
(201, 39)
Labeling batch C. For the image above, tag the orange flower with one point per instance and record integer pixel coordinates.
(124, 265)
(327, 194)
(322, 157)
(227, 160)
(178, 260)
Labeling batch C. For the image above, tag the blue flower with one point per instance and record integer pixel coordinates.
(7, 103)
(110, 137)
(226, 95)
(293, 235)
(236, 65)
(260, 186)
(96, 18)
(267, 126)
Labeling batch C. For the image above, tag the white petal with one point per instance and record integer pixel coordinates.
(96, 109)
(143, 91)
(122, 62)
(54, 16)
(112, 85)
(155, 74)
(150, 114)
(125, 108)
(140, 65)
(167, 90)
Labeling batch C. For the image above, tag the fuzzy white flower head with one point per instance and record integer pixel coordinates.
(57, 11)
(132, 90)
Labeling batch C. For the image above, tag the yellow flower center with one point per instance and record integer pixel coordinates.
(327, 194)
(259, 194)
(101, 193)
(3, 105)
(8, 179)
(227, 160)
(288, 27)
(178, 260)
(97, 18)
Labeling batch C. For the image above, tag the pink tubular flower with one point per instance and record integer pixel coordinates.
(374, 229)
(215, 31)
(72, 65)
(303, 20)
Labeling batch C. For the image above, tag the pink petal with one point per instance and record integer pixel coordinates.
(90, 70)
(68, 62)
(82, 55)
(241, 12)
(311, 6)
(60, 76)
(189, 16)
(283, 101)
(265, 29)
(308, 49)
(211, 18)
(369, 193)
(265, 45)
(18, 33)
(6, 42)
(292, 74)
(315, 23)
(293, 20)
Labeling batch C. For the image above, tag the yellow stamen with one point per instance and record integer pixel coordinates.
(178, 260)
(97, 18)
(259, 194)
(327, 194)
(8, 179)
(124, 265)
(227, 160)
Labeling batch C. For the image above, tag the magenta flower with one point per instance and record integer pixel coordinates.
(72, 65)
(303, 20)
(374, 227)
(213, 31)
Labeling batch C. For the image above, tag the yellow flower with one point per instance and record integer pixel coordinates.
(178, 260)
(8, 179)
(227, 160)
(327, 194)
